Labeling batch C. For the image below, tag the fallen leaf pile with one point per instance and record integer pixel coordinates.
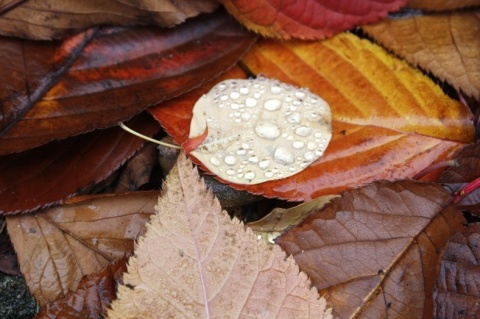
(314, 144)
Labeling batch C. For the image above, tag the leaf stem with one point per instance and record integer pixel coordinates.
(472, 186)
(129, 130)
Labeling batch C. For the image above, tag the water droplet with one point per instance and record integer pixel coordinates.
(250, 175)
(272, 104)
(245, 146)
(283, 156)
(318, 153)
(303, 130)
(253, 159)
(246, 116)
(234, 106)
(276, 89)
(268, 174)
(298, 145)
(311, 146)
(241, 152)
(222, 86)
(240, 175)
(230, 160)
(244, 90)
(234, 95)
(300, 95)
(267, 130)
(309, 156)
(250, 102)
(230, 172)
(224, 97)
(294, 118)
(215, 161)
(264, 164)
(318, 135)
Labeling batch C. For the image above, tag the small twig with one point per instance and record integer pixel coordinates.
(126, 128)
(469, 188)
(434, 167)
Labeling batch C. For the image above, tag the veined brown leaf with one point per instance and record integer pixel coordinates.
(442, 5)
(307, 19)
(56, 19)
(196, 262)
(373, 253)
(57, 246)
(446, 44)
(105, 75)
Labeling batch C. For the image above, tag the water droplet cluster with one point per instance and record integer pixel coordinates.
(260, 129)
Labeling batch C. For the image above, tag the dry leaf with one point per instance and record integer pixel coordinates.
(308, 19)
(373, 253)
(57, 246)
(138, 169)
(45, 19)
(196, 262)
(439, 5)
(457, 292)
(447, 44)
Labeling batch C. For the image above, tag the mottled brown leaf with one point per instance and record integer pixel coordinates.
(440, 5)
(373, 253)
(105, 75)
(196, 262)
(308, 19)
(138, 169)
(457, 290)
(447, 44)
(57, 246)
(45, 19)
(45, 175)
(94, 294)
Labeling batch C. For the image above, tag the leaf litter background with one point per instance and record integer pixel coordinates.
(401, 200)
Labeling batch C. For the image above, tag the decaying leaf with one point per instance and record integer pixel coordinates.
(94, 294)
(56, 19)
(196, 262)
(373, 253)
(258, 130)
(45, 175)
(57, 246)
(457, 291)
(105, 75)
(442, 5)
(137, 171)
(447, 44)
(279, 219)
(308, 19)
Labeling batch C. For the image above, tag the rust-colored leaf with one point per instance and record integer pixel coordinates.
(374, 252)
(57, 246)
(52, 19)
(447, 44)
(105, 75)
(456, 293)
(389, 121)
(308, 19)
(196, 262)
(441, 5)
(45, 175)
(94, 294)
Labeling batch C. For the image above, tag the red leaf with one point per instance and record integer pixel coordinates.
(106, 75)
(43, 176)
(308, 19)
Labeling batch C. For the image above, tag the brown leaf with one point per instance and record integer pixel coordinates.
(8, 259)
(136, 172)
(52, 19)
(456, 293)
(307, 19)
(105, 75)
(45, 175)
(447, 44)
(374, 252)
(57, 246)
(196, 262)
(94, 294)
(439, 5)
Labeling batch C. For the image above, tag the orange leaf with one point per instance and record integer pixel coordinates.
(447, 44)
(57, 246)
(307, 19)
(196, 262)
(373, 253)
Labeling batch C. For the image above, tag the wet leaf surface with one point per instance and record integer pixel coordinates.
(440, 5)
(194, 261)
(374, 252)
(308, 19)
(58, 246)
(445, 44)
(43, 176)
(105, 75)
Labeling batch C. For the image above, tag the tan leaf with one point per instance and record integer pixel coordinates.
(438, 5)
(374, 252)
(196, 262)
(446, 44)
(57, 246)
(46, 19)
